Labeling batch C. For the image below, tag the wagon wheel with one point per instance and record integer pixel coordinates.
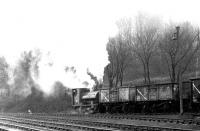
(125, 108)
(153, 108)
(166, 107)
(145, 108)
(132, 109)
(109, 108)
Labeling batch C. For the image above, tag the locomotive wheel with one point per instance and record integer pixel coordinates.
(102, 109)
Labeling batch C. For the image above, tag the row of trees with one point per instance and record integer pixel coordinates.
(148, 43)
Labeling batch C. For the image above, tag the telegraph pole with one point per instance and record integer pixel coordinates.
(180, 78)
(180, 94)
(180, 75)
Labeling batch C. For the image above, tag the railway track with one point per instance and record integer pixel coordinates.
(46, 125)
(157, 118)
(101, 122)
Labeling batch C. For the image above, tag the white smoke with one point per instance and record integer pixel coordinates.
(51, 70)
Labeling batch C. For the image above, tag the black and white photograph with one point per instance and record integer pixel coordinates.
(99, 65)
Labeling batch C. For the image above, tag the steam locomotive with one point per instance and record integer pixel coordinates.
(152, 98)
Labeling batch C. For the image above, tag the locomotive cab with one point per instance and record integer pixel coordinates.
(83, 100)
(77, 95)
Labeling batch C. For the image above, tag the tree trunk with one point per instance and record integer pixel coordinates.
(144, 73)
(148, 73)
(173, 74)
(110, 83)
(121, 75)
(117, 80)
(180, 95)
(121, 79)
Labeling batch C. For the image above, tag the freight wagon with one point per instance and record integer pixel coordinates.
(162, 97)
(144, 98)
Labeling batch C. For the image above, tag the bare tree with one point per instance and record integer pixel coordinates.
(109, 72)
(123, 47)
(178, 52)
(4, 77)
(119, 57)
(26, 72)
(111, 68)
(3, 70)
(144, 41)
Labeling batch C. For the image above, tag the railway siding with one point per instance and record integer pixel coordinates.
(109, 122)
(45, 125)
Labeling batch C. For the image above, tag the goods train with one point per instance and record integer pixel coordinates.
(152, 98)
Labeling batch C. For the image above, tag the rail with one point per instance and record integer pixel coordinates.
(106, 121)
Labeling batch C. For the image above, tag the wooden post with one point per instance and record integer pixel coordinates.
(180, 76)
(180, 95)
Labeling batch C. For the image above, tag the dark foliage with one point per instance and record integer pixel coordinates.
(37, 102)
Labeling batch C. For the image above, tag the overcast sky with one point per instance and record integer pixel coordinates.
(75, 32)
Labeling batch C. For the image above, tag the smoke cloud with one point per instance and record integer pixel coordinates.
(44, 69)
(70, 76)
